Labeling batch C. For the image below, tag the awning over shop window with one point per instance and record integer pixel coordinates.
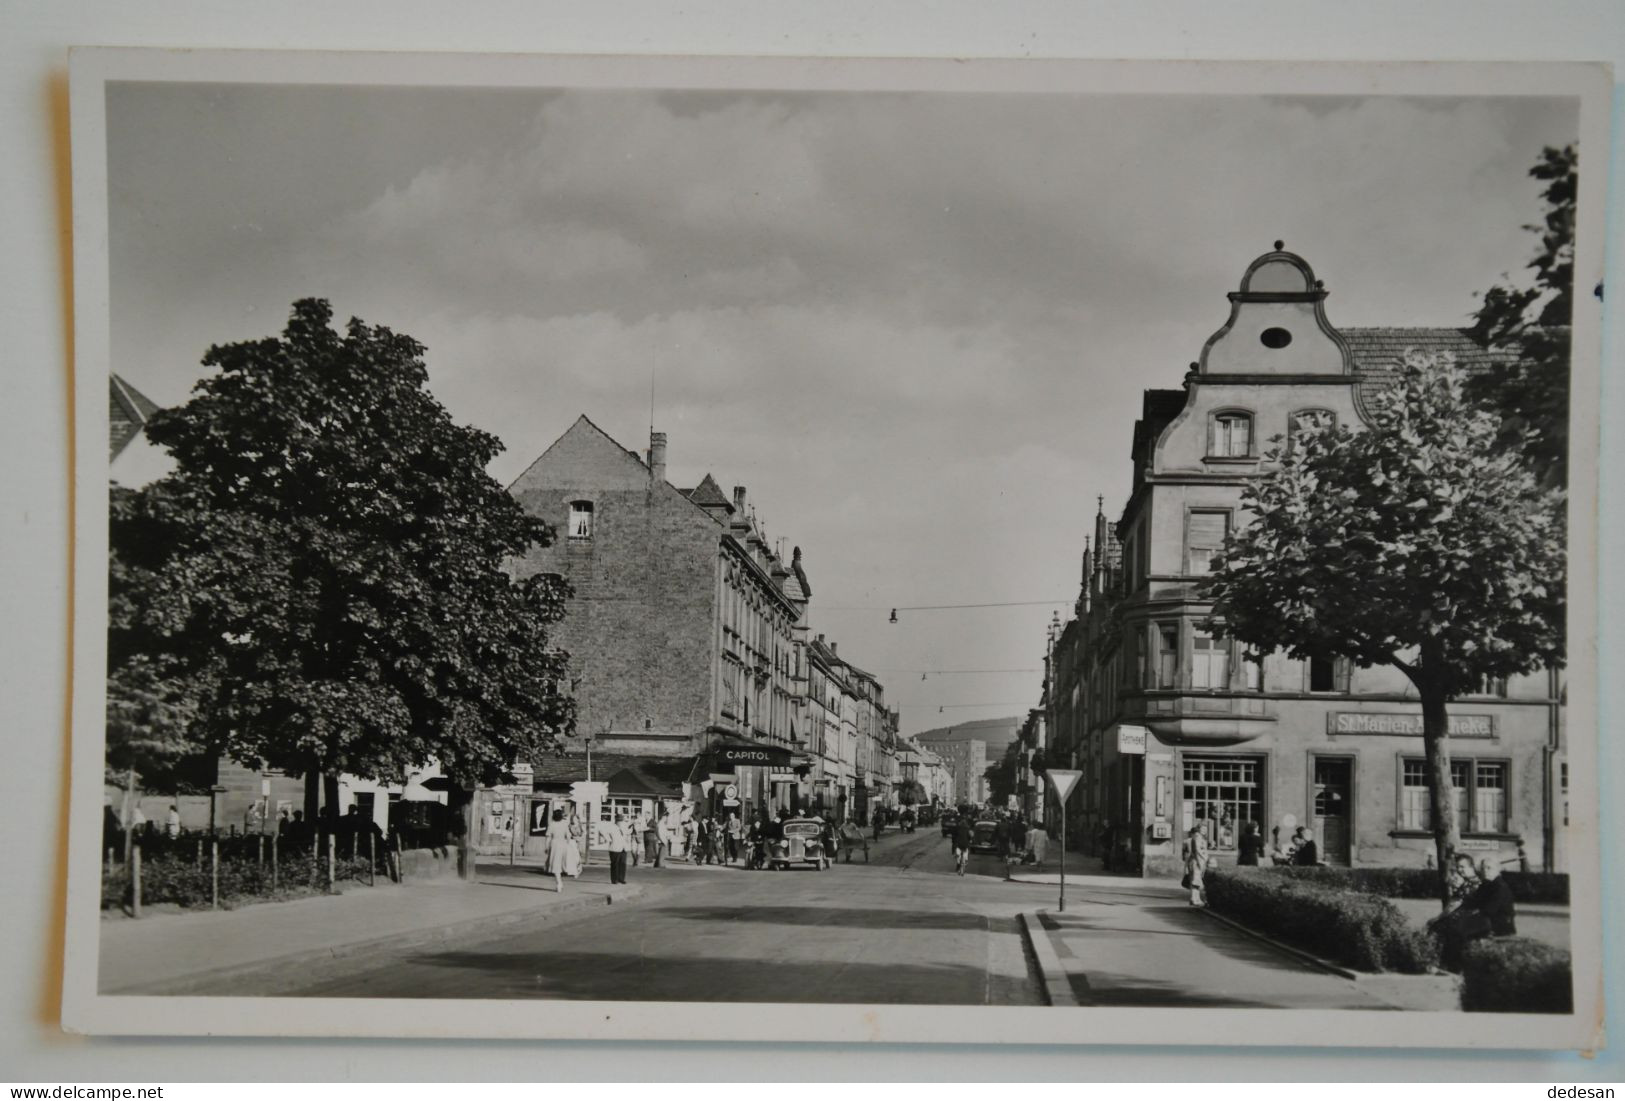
(624, 774)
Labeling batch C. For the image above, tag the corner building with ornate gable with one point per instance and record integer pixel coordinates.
(1235, 735)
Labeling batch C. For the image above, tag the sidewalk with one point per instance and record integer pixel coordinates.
(1148, 947)
(209, 951)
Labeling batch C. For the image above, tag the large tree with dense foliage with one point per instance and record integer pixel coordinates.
(1418, 541)
(321, 583)
(1530, 388)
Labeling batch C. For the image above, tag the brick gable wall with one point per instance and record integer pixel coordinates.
(641, 629)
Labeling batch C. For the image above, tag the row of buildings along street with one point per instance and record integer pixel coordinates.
(701, 689)
(1174, 725)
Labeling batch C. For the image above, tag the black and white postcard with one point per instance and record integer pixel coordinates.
(823, 550)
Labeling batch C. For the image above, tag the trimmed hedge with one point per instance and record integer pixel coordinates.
(1539, 887)
(1516, 975)
(1360, 931)
(186, 883)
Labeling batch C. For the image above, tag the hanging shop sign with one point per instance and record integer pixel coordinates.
(1131, 739)
(752, 756)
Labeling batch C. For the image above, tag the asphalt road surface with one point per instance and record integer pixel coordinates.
(901, 929)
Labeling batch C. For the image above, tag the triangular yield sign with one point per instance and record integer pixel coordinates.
(1062, 780)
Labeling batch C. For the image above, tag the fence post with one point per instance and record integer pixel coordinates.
(274, 879)
(199, 852)
(214, 873)
(135, 881)
(372, 860)
(262, 850)
(400, 864)
(332, 848)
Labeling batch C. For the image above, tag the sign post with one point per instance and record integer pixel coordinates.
(1062, 780)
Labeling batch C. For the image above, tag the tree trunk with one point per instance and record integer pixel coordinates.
(1441, 791)
(330, 795)
(129, 828)
(313, 795)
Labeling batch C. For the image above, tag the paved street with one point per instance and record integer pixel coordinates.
(901, 929)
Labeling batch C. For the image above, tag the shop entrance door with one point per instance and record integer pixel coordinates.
(1334, 790)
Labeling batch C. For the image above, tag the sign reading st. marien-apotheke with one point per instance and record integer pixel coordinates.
(1408, 726)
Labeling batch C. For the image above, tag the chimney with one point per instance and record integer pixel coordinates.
(835, 648)
(657, 456)
(739, 500)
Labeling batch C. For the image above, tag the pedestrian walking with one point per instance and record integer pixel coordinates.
(559, 850)
(1038, 843)
(736, 834)
(1195, 864)
(577, 833)
(691, 840)
(651, 841)
(964, 832)
(619, 844)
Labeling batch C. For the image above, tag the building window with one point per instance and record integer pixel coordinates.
(1219, 794)
(1205, 532)
(609, 808)
(1252, 672)
(1489, 797)
(1329, 674)
(1230, 436)
(1210, 660)
(1309, 420)
(580, 520)
(1481, 796)
(1167, 655)
(1491, 686)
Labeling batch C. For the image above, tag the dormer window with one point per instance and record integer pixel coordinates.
(1230, 436)
(580, 526)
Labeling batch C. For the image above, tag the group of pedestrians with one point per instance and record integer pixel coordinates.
(1481, 905)
(1015, 840)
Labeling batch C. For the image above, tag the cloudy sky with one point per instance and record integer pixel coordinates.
(915, 326)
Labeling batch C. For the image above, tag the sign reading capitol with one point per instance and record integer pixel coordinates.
(1406, 725)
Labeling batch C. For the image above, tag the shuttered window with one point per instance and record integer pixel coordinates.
(1205, 532)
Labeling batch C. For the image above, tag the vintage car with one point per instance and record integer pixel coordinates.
(985, 837)
(949, 821)
(801, 844)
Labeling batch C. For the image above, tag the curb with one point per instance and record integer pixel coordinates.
(1057, 986)
(1286, 949)
(287, 967)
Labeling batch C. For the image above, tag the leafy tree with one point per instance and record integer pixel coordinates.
(1419, 542)
(321, 583)
(1001, 777)
(1531, 390)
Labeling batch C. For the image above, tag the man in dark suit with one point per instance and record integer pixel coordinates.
(1307, 854)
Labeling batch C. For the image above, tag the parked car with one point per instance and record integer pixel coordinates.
(949, 821)
(801, 844)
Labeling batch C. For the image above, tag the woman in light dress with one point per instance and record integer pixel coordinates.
(577, 835)
(1196, 864)
(561, 848)
(1038, 843)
